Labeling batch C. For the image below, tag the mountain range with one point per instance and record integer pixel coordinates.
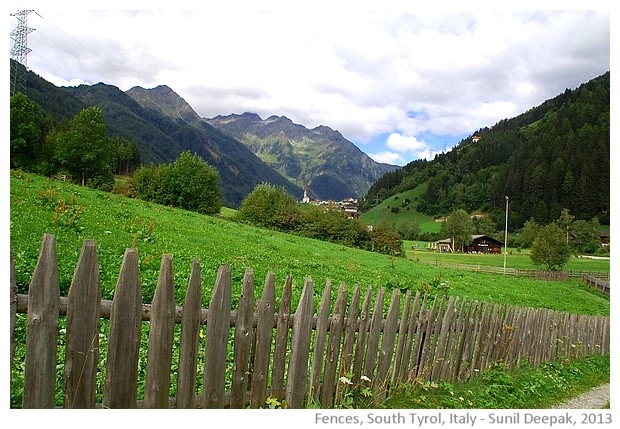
(320, 160)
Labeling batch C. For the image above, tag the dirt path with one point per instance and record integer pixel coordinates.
(596, 398)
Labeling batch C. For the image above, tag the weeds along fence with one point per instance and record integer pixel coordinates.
(258, 353)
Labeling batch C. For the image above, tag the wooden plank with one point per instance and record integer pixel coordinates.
(411, 326)
(480, 338)
(300, 349)
(459, 340)
(360, 346)
(42, 329)
(216, 344)
(420, 334)
(442, 339)
(346, 357)
(372, 349)
(244, 333)
(121, 381)
(161, 337)
(82, 346)
(188, 349)
(322, 324)
(336, 325)
(469, 341)
(380, 385)
(452, 341)
(402, 338)
(282, 338)
(428, 347)
(262, 351)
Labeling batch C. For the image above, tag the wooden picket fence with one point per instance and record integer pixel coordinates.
(297, 358)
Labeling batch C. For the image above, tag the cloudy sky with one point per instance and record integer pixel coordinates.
(400, 82)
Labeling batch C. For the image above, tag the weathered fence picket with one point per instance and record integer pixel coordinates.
(82, 344)
(121, 382)
(216, 344)
(282, 338)
(262, 351)
(188, 350)
(243, 341)
(295, 358)
(300, 347)
(161, 337)
(42, 333)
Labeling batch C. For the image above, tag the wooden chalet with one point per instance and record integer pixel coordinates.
(484, 244)
(479, 244)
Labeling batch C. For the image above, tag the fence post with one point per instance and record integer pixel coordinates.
(42, 329)
(372, 348)
(190, 330)
(279, 353)
(319, 343)
(346, 357)
(333, 348)
(360, 346)
(262, 353)
(300, 347)
(82, 349)
(402, 338)
(216, 346)
(380, 384)
(161, 338)
(121, 380)
(243, 339)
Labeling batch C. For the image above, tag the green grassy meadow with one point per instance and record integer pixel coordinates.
(73, 213)
(516, 258)
(383, 212)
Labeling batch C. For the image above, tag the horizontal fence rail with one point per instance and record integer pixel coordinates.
(310, 356)
(596, 282)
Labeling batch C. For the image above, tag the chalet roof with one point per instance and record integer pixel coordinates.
(474, 238)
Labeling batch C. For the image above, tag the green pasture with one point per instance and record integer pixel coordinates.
(516, 258)
(383, 213)
(73, 213)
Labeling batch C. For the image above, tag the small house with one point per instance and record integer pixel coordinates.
(484, 244)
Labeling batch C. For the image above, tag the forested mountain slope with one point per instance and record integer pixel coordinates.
(160, 138)
(554, 156)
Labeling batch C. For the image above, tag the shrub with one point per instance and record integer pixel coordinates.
(189, 183)
(269, 206)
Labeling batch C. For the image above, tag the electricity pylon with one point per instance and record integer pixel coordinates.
(20, 50)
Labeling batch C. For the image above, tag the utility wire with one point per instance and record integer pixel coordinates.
(110, 80)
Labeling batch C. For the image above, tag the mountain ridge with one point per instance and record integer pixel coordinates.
(320, 159)
(160, 137)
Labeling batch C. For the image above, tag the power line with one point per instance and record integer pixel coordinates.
(81, 46)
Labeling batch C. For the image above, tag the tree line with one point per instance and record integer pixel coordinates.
(270, 206)
(78, 149)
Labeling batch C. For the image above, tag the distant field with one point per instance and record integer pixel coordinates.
(515, 259)
(116, 223)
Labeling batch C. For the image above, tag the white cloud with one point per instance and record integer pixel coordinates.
(388, 157)
(359, 70)
(402, 143)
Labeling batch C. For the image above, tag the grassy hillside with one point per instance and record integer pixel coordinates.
(74, 213)
(384, 211)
